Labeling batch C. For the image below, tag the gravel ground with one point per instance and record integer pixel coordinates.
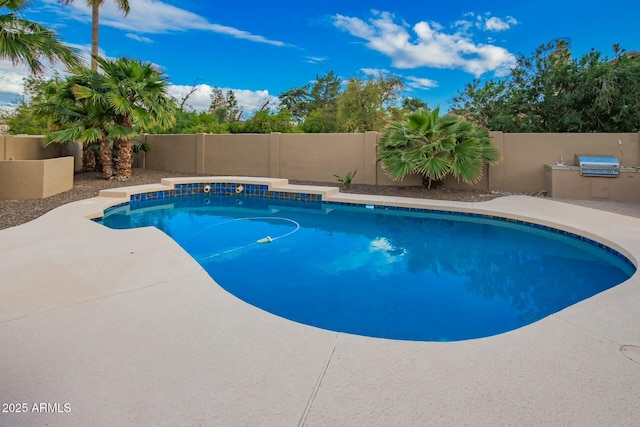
(86, 185)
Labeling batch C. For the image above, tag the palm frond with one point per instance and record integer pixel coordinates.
(466, 151)
(398, 167)
(435, 168)
(490, 154)
(121, 132)
(26, 42)
(93, 134)
(468, 171)
(70, 134)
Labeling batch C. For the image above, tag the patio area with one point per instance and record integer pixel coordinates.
(123, 327)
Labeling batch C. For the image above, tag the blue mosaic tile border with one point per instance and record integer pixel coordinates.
(225, 189)
(495, 218)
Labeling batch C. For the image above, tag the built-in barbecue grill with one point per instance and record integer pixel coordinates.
(594, 165)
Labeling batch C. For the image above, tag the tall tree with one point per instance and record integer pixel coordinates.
(325, 91)
(234, 113)
(323, 105)
(482, 104)
(224, 106)
(26, 42)
(364, 105)
(550, 91)
(191, 122)
(264, 121)
(328, 105)
(123, 5)
(296, 100)
(413, 105)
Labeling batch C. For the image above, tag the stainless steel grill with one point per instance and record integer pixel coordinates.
(595, 165)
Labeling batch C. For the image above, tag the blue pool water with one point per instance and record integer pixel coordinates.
(390, 274)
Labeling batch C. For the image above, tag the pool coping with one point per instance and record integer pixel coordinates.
(116, 347)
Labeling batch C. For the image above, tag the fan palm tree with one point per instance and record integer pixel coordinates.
(123, 5)
(80, 119)
(112, 108)
(26, 42)
(435, 147)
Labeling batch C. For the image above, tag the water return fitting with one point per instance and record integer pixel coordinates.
(239, 189)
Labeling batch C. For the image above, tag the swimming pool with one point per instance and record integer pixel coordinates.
(378, 272)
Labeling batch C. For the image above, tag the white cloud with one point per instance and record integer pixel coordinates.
(251, 100)
(315, 59)
(198, 100)
(11, 77)
(420, 83)
(463, 25)
(496, 24)
(429, 46)
(11, 84)
(411, 81)
(375, 72)
(156, 17)
(484, 22)
(139, 38)
(248, 100)
(356, 26)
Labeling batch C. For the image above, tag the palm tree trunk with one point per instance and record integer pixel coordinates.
(430, 183)
(105, 158)
(95, 19)
(122, 154)
(88, 158)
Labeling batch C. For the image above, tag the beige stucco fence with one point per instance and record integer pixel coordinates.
(318, 157)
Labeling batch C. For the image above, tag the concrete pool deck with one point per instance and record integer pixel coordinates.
(122, 327)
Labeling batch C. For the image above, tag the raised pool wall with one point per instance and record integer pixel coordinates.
(318, 157)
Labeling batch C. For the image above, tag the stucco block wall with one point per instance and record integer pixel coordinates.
(318, 157)
(27, 148)
(35, 179)
(239, 154)
(173, 153)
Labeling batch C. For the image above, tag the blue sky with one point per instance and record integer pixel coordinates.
(262, 48)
